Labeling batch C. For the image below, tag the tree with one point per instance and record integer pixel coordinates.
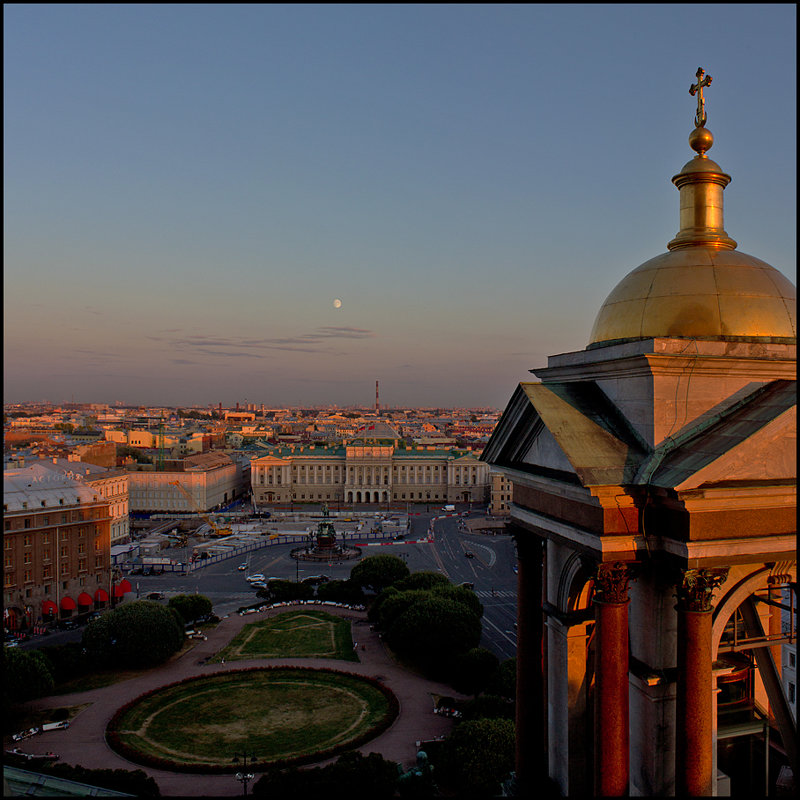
(352, 777)
(478, 755)
(341, 592)
(26, 674)
(138, 634)
(421, 580)
(395, 604)
(474, 669)
(68, 660)
(488, 706)
(191, 606)
(378, 572)
(504, 681)
(433, 630)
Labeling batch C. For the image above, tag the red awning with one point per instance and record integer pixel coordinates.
(85, 599)
(125, 585)
(101, 596)
(67, 604)
(118, 590)
(49, 608)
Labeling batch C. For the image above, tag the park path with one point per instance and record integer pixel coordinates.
(84, 741)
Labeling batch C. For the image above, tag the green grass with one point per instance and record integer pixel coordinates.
(294, 634)
(277, 713)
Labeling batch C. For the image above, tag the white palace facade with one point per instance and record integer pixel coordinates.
(368, 473)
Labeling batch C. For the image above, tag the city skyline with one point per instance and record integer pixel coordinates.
(283, 204)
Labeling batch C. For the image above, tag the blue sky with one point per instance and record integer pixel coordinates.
(189, 188)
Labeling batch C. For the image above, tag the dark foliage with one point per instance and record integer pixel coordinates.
(191, 607)
(352, 776)
(138, 634)
(473, 670)
(378, 572)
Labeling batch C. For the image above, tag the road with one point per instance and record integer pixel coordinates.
(490, 570)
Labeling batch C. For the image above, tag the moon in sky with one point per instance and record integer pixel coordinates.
(337, 303)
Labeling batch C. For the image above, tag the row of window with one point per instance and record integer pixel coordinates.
(10, 579)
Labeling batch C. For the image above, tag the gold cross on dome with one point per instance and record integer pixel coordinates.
(697, 89)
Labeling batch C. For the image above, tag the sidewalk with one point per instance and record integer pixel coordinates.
(84, 742)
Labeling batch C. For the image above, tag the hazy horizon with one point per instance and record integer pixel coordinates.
(282, 204)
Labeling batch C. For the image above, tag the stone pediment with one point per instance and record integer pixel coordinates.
(570, 429)
(756, 442)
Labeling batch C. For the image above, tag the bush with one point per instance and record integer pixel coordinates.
(473, 670)
(190, 606)
(352, 777)
(347, 592)
(433, 630)
(26, 674)
(477, 756)
(68, 661)
(421, 580)
(138, 634)
(378, 572)
(487, 706)
(504, 681)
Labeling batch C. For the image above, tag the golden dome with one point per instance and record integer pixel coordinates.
(699, 292)
(703, 288)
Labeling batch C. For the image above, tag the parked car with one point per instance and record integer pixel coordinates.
(257, 577)
(68, 625)
(93, 615)
(155, 596)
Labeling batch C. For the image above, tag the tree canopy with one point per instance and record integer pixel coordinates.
(138, 634)
(433, 630)
(478, 755)
(191, 606)
(26, 674)
(378, 572)
(473, 670)
(352, 777)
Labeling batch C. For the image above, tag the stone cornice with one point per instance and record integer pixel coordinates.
(602, 546)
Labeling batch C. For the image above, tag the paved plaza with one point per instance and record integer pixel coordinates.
(84, 741)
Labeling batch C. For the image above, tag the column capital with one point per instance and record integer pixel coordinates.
(611, 582)
(696, 586)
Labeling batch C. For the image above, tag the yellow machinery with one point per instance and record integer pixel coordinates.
(217, 531)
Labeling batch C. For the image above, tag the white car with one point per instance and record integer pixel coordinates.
(257, 577)
(242, 567)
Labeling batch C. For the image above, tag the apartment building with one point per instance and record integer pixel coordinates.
(56, 547)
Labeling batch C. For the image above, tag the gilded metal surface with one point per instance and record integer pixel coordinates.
(699, 292)
(697, 88)
(702, 288)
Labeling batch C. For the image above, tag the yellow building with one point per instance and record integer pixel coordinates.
(368, 473)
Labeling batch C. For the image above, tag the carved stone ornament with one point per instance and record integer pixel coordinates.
(697, 587)
(611, 582)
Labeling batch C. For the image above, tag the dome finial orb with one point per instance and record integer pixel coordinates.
(701, 140)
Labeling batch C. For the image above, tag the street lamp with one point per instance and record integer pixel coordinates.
(244, 777)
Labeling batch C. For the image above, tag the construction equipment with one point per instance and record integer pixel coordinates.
(217, 531)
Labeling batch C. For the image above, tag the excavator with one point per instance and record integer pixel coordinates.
(217, 531)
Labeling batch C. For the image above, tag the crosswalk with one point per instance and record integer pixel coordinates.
(496, 593)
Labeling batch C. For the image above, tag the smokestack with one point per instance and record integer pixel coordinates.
(377, 400)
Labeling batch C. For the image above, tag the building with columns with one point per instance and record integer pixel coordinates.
(368, 472)
(654, 480)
